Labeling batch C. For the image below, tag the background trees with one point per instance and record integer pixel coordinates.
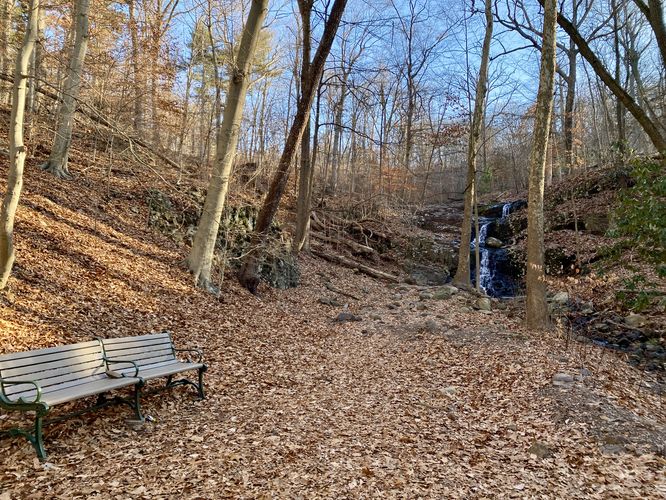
(391, 112)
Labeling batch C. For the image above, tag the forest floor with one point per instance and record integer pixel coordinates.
(419, 398)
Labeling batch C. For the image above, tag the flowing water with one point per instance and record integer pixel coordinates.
(497, 275)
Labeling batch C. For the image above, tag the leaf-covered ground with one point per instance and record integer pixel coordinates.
(427, 398)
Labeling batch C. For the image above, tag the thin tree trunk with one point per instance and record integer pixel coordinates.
(137, 75)
(307, 168)
(200, 260)
(462, 272)
(57, 162)
(249, 273)
(537, 309)
(17, 150)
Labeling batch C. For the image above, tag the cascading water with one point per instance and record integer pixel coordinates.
(493, 260)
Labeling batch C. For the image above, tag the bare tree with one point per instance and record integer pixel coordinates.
(57, 162)
(462, 273)
(249, 273)
(537, 309)
(17, 150)
(200, 260)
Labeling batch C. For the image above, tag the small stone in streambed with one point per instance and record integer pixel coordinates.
(483, 304)
(346, 316)
(493, 242)
(425, 295)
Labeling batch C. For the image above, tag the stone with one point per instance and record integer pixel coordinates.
(562, 379)
(375, 317)
(396, 296)
(432, 326)
(425, 296)
(560, 298)
(329, 301)
(493, 242)
(444, 292)
(421, 306)
(483, 304)
(346, 316)
(635, 320)
(451, 390)
(540, 450)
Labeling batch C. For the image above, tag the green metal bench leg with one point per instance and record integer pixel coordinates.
(38, 438)
(200, 388)
(137, 401)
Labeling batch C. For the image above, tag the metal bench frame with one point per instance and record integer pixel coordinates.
(35, 435)
(165, 342)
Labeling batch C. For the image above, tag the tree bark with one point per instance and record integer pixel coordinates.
(200, 260)
(307, 168)
(5, 25)
(537, 309)
(462, 272)
(57, 162)
(17, 150)
(137, 83)
(249, 273)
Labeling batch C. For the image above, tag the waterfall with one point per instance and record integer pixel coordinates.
(488, 257)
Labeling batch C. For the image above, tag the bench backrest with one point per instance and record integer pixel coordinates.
(53, 368)
(144, 350)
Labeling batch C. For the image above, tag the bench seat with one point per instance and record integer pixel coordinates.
(35, 381)
(155, 356)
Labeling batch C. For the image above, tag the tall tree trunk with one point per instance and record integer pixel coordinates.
(17, 150)
(307, 168)
(249, 273)
(57, 162)
(462, 272)
(537, 309)
(569, 104)
(200, 260)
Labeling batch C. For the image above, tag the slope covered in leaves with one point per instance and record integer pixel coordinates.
(420, 398)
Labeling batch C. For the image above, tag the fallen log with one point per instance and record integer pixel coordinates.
(345, 262)
(356, 248)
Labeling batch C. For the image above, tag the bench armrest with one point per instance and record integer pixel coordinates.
(114, 374)
(195, 351)
(38, 396)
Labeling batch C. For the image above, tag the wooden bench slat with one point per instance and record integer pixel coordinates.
(89, 389)
(121, 353)
(151, 372)
(30, 391)
(146, 357)
(54, 372)
(48, 350)
(139, 339)
(36, 370)
(64, 358)
(47, 383)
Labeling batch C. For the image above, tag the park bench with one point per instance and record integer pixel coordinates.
(155, 356)
(35, 381)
